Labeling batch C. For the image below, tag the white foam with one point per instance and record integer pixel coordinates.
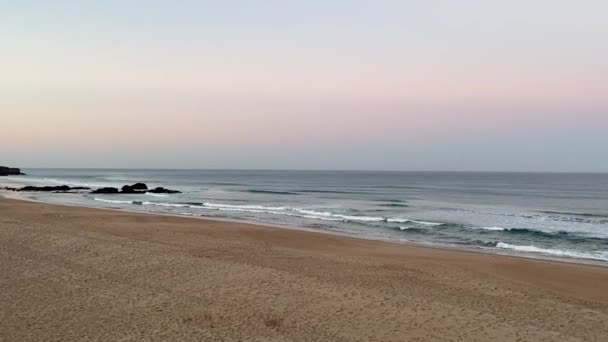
(113, 201)
(156, 195)
(321, 215)
(406, 228)
(326, 214)
(600, 255)
(234, 206)
(273, 212)
(161, 204)
(318, 218)
(314, 213)
(246, 210)
(425, 223)
(493, 228)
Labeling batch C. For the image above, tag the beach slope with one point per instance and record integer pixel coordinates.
(78, 274)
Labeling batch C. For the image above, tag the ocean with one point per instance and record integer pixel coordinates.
(546, 215)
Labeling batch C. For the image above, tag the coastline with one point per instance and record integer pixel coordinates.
(483, 251)
(218, 280)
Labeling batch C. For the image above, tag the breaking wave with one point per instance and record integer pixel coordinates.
(425, 223)
(274, 210)
(493, 228)
(113, 201)
(563, 243)
(595, 255)
(156, 195)
(271, 192)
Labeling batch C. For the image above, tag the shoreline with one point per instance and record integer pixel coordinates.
(76, 273)
(481, 251)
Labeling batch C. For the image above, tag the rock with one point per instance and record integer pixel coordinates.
(139, 186)
(45, 188)
(73, 190)
(61, 188)
(128, 189)
(107, 190)
(10, 171)
(161, 190)
(10, 189)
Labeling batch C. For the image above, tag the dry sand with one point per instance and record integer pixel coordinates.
(77, 274)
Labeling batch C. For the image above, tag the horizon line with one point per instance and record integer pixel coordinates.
(317, 170)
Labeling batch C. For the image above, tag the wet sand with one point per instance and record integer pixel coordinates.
(79, 274)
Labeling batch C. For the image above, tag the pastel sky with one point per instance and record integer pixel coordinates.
(398, 85)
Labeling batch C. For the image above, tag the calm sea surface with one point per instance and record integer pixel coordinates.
(540, 214)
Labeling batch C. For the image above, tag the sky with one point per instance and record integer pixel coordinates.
(369, 85)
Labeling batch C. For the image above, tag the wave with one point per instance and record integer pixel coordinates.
(389, 200)
(113, 201)
(513, 233)
(340, 216)
(225, 183)
(271, 192)
(415, 230)
(589, 218)
(332, 192)
(176, 205)
(305, 213)
(156, 195)
(598, 255)
(285, 211)
(288, 211)
(575, 214)
(493, 228)
(595, 219)
(193, 204)
(553, 235)
(180, 205)
(431, 227)
(402, 187)
(246, 210)
(425, 223)
(395, 205)
(244, 206)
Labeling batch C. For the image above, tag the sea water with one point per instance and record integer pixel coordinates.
(538, 214)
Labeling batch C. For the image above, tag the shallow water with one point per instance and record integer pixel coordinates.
(546, 214)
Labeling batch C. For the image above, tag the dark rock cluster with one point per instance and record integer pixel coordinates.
(161, 190)
(59, 188)
(137, 188)
(105, 191)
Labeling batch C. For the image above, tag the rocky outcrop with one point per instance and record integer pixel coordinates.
(161, 190)
(137, 188)
(107, 190)
(60, 188)
(10, 171)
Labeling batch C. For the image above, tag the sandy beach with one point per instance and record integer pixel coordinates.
(79, 274)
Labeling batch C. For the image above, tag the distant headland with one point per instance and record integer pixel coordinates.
(10, 171)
